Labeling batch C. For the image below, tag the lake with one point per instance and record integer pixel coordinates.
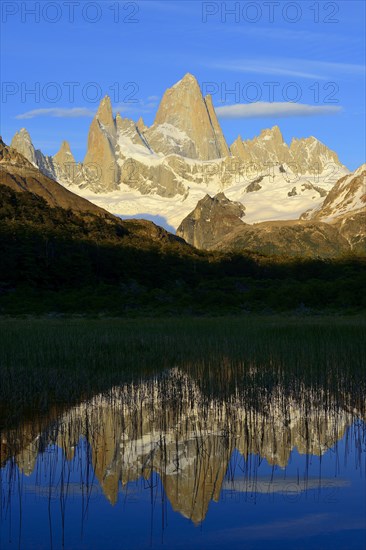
(260, 449)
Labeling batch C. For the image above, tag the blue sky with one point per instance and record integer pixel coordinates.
(299, 65)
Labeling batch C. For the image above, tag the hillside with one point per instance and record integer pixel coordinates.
(336, 228)
(56, 261)
(80, 259)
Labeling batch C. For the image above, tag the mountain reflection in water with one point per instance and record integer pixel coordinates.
(199, 445)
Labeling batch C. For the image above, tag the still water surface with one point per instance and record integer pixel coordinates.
(170, 462)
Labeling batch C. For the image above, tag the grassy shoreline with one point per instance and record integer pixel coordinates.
(48, 361)
(91, 342)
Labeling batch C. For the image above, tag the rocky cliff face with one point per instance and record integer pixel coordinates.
(313, 157)
(269, 147)
(304, 156)
(65, 166)
(212, 220)
(17, 173)
(288, 238)
(186, 124)
(225, 230)
(22, 143)
(22, 176)
(345, 208)
(166, 169)
(61, 167)
(100, 168)
(347, 195)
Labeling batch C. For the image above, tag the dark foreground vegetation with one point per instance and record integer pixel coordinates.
(55, 261)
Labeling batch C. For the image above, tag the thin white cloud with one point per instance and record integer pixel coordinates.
(285, 34)
(254, 67)
(310, 69)
(75, 112)
(80, 112)
(262, 109)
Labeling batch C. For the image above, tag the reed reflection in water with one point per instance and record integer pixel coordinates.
(183, 442)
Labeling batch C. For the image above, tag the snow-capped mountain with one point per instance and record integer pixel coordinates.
(186, 124)
(335, 228)
(306, 156)
(161, 172)
(348, 195)
(60, 167)
(345, 208)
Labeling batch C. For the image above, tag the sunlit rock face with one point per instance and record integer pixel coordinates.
(22, 143)
(303, 156)
(168, 426)
(100, 163)
(64, 164)
(211, 220)
(21, 175)
(345, 208)
(165, 169)
(218, 223)
(186, 124)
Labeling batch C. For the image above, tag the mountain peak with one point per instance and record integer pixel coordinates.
(189, 76)
(65, 146)
(310, 139)
(272, 133)
(105, 113)
(106, 100)
(360, 169)
(214, 217)
(11, 155)
(124, 123)
(187, 80)
(238, 140)
(140, 124)
(101, 148)
(22, 142)
(64, 155)
(24, 132)
(194, 130)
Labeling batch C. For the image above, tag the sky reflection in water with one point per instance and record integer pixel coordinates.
(162, 462)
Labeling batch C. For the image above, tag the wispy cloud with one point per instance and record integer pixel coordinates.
(286, 486)
(285, 34)
(263, 109)
(141, 107)
(315, 70)
(75, 112)
(260, 67)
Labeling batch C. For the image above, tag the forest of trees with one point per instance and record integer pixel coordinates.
(54, 260)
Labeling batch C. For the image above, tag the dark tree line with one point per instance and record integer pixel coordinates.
(46, 250)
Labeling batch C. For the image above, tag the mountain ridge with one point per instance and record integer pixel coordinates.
(219, 224)
(165, 169)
